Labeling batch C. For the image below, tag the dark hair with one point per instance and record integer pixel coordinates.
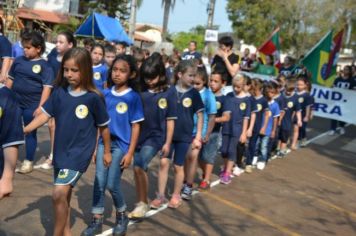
(201, 71)
(35, 39)
(70, 38)
(152, 67)
(1, 25)
(193, 41)
(221, 71)
(123, 44)
(182, 67)
(248, 80)
(98, 45)
(139, 55)
(89, 41)
(130, 60)
(227, 41)
(271, 58)
(257, 83)
(290, 85)
(82, 59)
(110, 48)
(268, 86)
(303, 78)
(146, 52)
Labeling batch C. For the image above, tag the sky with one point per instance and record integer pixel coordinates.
(186, 14)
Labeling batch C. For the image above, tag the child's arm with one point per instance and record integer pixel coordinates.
(211, 124)
(46, 92)
(307, 114)
(39, 120)
(243, 136)
(105, 134)
(299, 118)
(127, 159)
(6, 64)
(281, 117)
(265, 123)
(224, 118)
(252, 124)
(197, 141)
(169, 135)
(274, 127)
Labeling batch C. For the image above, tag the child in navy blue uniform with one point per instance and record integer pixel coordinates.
(292, 113)
(31, 79)
(79, 112)
(270, 132)
(160, 113)
(259, 118)
(65, 41)
(5, 54)
(208, 98)
(11, 136)
(210, 149)
(235, 130)
(100, 70)
(125, 109)
(188, 102)
(305, 101)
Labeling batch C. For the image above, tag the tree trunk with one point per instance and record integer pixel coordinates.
(132, 25)
(167, 8)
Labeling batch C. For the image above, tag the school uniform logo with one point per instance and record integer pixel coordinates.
(97, 75)
(0, 112)
(290, 104)
(259, 107)
(301, 100)
(36, 69)
(242, 106)
(218, 105)
(162, 103)
(121, 107)
(187, 102)
(81, 111)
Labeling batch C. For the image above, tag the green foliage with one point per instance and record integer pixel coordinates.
(302, 22)
(112, 8)
(182, 39)
(72, 25)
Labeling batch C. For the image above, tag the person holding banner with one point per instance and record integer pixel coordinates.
(345, 81)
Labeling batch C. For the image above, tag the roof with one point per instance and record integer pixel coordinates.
(140, 37)
(144, 27)
(46, 16)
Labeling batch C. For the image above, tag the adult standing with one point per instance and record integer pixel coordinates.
(288, 67)
(5, 54)
(225, 60)
(192, 53)
(268, 68)
(246, 61)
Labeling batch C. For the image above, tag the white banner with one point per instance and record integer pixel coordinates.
(211, 35)
(331, 103)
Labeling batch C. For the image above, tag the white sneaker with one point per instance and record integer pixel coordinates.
(261, 165)
(254, 160)
(331, 132)
(237, 171)
(46, 165)
(140, 211)
(288, 150)
(25, 168)
(342, 131)
(275, 156)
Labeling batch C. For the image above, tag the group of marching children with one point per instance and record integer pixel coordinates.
(106, 107)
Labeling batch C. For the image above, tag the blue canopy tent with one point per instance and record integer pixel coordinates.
(103, 27)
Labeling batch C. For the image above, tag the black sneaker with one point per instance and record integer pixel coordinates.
(95, 227)
(121, 224)
(187, 192)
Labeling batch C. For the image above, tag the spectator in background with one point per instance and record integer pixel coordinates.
(146, 52)
(225, 60)
(246, 61)
(345, 82)
(288, 67)
(89, 44)
(176, 53)
(5, 54)
(17, 49)
(192, 53)
(120, 48)
(268, 68)
(172, 63)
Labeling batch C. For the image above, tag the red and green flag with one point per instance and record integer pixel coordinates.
(330, 73)
(317, 61)
(272, 47)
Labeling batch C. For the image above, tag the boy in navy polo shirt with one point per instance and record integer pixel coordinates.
(11, 135)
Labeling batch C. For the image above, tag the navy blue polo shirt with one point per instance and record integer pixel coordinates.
(281, 101)
(158, 108)
(29, 77)
(188, 103)
(292, 107)
(77, 115)
(305, 100)
(5, 48)
(222, 106)
(261, 107)
(100, 76)
(53, 61)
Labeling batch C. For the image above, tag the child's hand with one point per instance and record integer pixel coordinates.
(196, 144)
(93, 157)
(37, 112)
(107, 159)
(126, 161)
(249, 133)
(306, 119)
(300, 124)
(243, 138)
(206, 138)
(165, 150)
(262, 131)
(273, 134)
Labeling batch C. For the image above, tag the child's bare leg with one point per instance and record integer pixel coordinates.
(193, 164)
(61, 194)
(51, 128)
(229, 166)
(10, 158)
(67, 231)
(178, 179)
(163, 175)
(141, 180)
(295, 137)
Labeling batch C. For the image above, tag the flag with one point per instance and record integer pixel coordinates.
(317, 59)
(272, 47)
(333, 58)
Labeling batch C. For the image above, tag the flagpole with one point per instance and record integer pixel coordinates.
(317, 44)
(269, 38)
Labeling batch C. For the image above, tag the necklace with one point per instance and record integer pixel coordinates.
(179, 97)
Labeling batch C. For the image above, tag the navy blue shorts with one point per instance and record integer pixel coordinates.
(179, 150)
(284, 135)
(66, 177)
(229, 147)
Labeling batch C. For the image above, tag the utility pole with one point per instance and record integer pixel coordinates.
(132, 24)
(211, 9)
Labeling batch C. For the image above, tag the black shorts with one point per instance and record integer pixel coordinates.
(284, 135)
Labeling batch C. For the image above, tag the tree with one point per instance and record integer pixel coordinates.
(182, 39)
(302, 22)
(167, 6)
